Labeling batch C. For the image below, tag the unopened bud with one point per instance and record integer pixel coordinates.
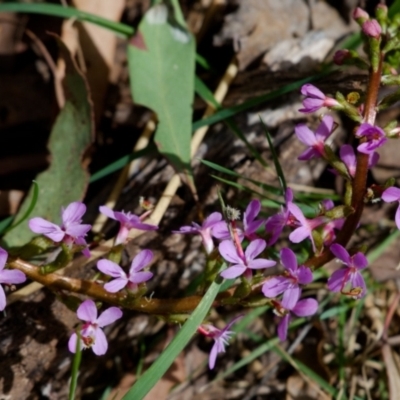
(360, 15)
(372, 28)
(341, 56)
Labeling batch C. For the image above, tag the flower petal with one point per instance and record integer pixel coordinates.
(116, 285)
(275, 286)
(306, 307)
(288, 259)
(357, 281)
(299, 234)
(340, 252)
(252, 210)
(3, 258)
(255, 248)
(283, 327)
(52, 231)
(100, 344)
(2, 299)
(261, 263)
(109, 316)
(228, 251)
(233, 272)
(87, 311)
(212, 219)
(312, 91)
(360, 261)
(391, 194)
(141, 260)
(111, 268)
(107, 212)
(213, 356)
(72, 343)
(221, 231)
(305, 135)
(10, 276)
(139, 277)
(73, 213)
(297, 213)
(290, 297)
(336, 281)
(78, 230)
(324, 129)
(304, 275)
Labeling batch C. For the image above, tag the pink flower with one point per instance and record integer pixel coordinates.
(315, 99)
(71, 229)
(390, 195)
(306, 225)
(220, 336)
(243, 264)
(349, 158)
(303, 308)
(350, 275)
(8, 277)
(91, 334)
(375, 136)
(372, 28)
(250, 224)
(275, 224)
(315, 141)
(128, 221)
(204, 230)
(135, 276)
(288, 284)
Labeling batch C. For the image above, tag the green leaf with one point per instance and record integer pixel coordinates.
(66, 179)
(59, 10)
(275, 157)
(161, 59)
(167, 357)
(35, 195)
(75, 368)
(121, 162)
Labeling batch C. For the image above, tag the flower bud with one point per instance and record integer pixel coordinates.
(372, 28)
(341, 56)
(360, 15)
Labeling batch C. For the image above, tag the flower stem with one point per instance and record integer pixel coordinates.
(360, 179)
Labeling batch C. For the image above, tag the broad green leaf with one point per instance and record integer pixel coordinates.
(35, 195)
(167, 357)
(66, 179)
(161, 60)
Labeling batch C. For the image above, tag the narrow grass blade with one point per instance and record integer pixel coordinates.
(205, 93)
(299, 366)
(121, 162)
(382, 246)
(25, 216)
(167, 357)
(75, 369)
(277, 164)
(227, 171)
(232, 111)
(59, 10)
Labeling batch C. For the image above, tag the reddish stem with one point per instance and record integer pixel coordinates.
(360, 179)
